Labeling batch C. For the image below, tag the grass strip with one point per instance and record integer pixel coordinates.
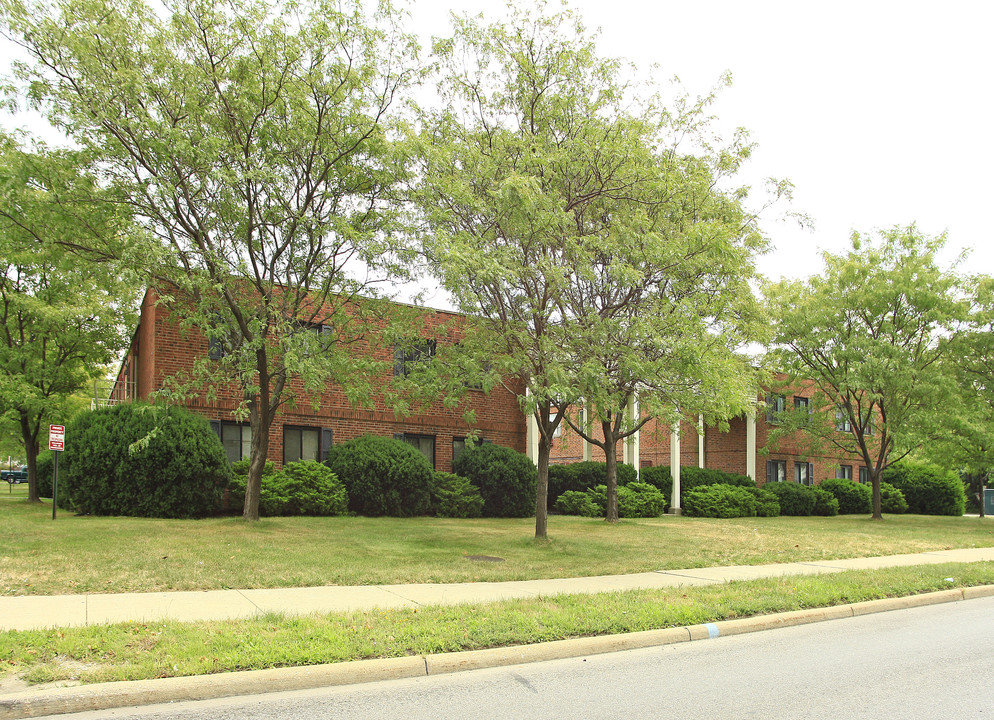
(135, 651)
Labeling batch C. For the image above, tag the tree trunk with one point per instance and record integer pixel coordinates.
(542, 490)
(611, 458)
(875, 482)
(30, 440)
(260, 422)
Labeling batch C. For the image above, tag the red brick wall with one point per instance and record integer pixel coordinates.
(169, 351)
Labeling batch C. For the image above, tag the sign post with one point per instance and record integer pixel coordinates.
(56, 443)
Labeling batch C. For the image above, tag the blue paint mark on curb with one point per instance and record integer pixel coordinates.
(713, 631)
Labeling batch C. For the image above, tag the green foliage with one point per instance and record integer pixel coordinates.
(767, 504)
(383, 476)
(255, 153)
(143, 461)
(575, 502)
(892, 500)
(640, 500)
(927, 489)
(691, 477)
(303, 488)
(234, 496)
(720, 501)
(854, 498)
(826, 504)
(455, 496)
(582, 476)
(46, 472)
(506, 479)
(794, 499)
(874, 329)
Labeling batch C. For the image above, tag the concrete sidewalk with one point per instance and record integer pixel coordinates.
(45, 611)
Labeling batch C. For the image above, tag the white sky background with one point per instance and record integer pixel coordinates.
(880, 112)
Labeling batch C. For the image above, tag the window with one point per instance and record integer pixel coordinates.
(459, 444)
(864, 474)
(559, 428)
(775, 404)
(842, 423)
(804, 473)
(236, 439)
(843, 472)
(802, 405)
(418, 351)
(424, 444)
(868, 428)
(776, 471)
(305, 443)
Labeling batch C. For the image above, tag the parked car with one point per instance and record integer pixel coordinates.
(15, 476)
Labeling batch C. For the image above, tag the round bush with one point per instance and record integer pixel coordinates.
(719, 501)
(383, 476)
(825, 503)
(767, 504)
(234, 495)
(582, 476)
(794, 499)
(303, 488)
(639, 500)
(854, 498)
(507, 479)
(44, 472)
(892, 500)
(927, 490)
(143, 461)
(574, 502)
(454, 496)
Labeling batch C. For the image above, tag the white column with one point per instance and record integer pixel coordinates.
(751, 443)
(531, 437)
(675, 508)
(588, 427)
(632, 442)
(700, 442)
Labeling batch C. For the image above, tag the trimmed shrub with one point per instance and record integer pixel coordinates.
(45, 470)
(303, 488)
(927, 490)
(454, 496)
(825, 503)
(691, 477)
(794, 499)
(506, 478)
(719, 501)
(638, 500)
(383, 476)
(853, 497)
(767, 504)
(138, 460)
(574, 502)
(234, 496)
(582, 476)
(892, 500)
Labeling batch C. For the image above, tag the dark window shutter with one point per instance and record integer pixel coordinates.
(770, 471)
(326, 439)
(215, 348)
(398, 436)
(216, 427)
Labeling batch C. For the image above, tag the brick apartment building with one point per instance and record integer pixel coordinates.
(160, 350)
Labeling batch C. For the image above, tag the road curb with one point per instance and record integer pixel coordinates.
(105, 696)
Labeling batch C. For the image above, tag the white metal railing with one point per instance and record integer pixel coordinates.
(111, 392)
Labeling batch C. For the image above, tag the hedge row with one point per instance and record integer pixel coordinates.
(690, 478)
(635, 500)
(927, 489)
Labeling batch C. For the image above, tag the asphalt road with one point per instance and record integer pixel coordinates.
(930, 662)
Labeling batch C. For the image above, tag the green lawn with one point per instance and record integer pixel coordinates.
(132, 651)
(91, 554)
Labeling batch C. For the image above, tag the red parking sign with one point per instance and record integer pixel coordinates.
(57, 437)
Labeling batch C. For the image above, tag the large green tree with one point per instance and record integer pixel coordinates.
(61, 320)
(561, 216)
(252, 139)
(871, 333)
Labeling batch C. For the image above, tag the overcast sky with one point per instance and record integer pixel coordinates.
(879, 112)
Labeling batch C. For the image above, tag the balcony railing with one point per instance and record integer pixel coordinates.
(110, 392)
